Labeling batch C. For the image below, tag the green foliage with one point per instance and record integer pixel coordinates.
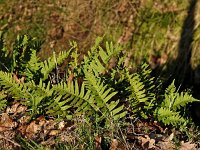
(142, 86)
(3, 101)
(29, 144)
(48, 65)
(4, 59)
(18, 91)
(93, 96)
(99, 86)
(169, 112)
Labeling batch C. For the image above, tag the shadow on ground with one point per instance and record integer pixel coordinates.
(181, 69)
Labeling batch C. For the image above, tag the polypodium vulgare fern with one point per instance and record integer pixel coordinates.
(9, 84)
(94, 97)
(141, 86)
(51, 63)
(100, 86)
(28, 93)
(3, 101)
(70, 96)
(103, 96)
(4, 59)
(169, 112)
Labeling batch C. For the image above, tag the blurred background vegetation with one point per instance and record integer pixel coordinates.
(164, 33)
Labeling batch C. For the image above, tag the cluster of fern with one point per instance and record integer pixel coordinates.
(100, 86)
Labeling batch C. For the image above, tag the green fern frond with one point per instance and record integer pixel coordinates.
(18, 91)
(42, 89)
(99, 60)
(50, 64)
(4, 60)
(59, 108)
(110, 52)
(137, 89)
(182, 100)
(32, 71)
(138, 98)
(29, 93)
(142, 91)
(41, 96)
(23, 49)
(174, 100)
(72, 96)
(103, 95)
(94, 50)
(168, 117)
(171, 106)
(3, 101)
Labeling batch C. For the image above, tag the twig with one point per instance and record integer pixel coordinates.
(14, 143)
(57, 70)
(4, 66)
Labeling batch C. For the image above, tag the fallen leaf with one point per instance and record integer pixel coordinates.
(114, 144)
(12, 109)
(32, 129)
(21, 109)
(24, 119)
(98, 140)
(170, 138)
(165, 145)
(146, 142)
(187, 146)
(54, 132)
(6, 122)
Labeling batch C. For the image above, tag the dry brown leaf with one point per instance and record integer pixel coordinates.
(13, 108)
(21, 109)
(98, 140)
(32, 129)
(50, 124)
(187, 146)
(6, 122)
(17, 79)
(24, 119)
(16, 108)
(22, 129)
(170, 138)
(167, 144)
(122, 6)
(155, 123)
(146, 142)
(114, 144)
(54, 132)
(41, 120)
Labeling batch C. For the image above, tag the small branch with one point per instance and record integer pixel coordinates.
(14, 143)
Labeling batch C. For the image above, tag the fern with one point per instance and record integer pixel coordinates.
(28, 93)
(18, 91)
(169, 117)
(102, 95)
(3, 101)
(32, 71)
(170, 109)
(142, 97)
(40, 95)
(99, 58)
(4, 59)
(50, 64)
(96, 89)
(69, 96)
(23, 49)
